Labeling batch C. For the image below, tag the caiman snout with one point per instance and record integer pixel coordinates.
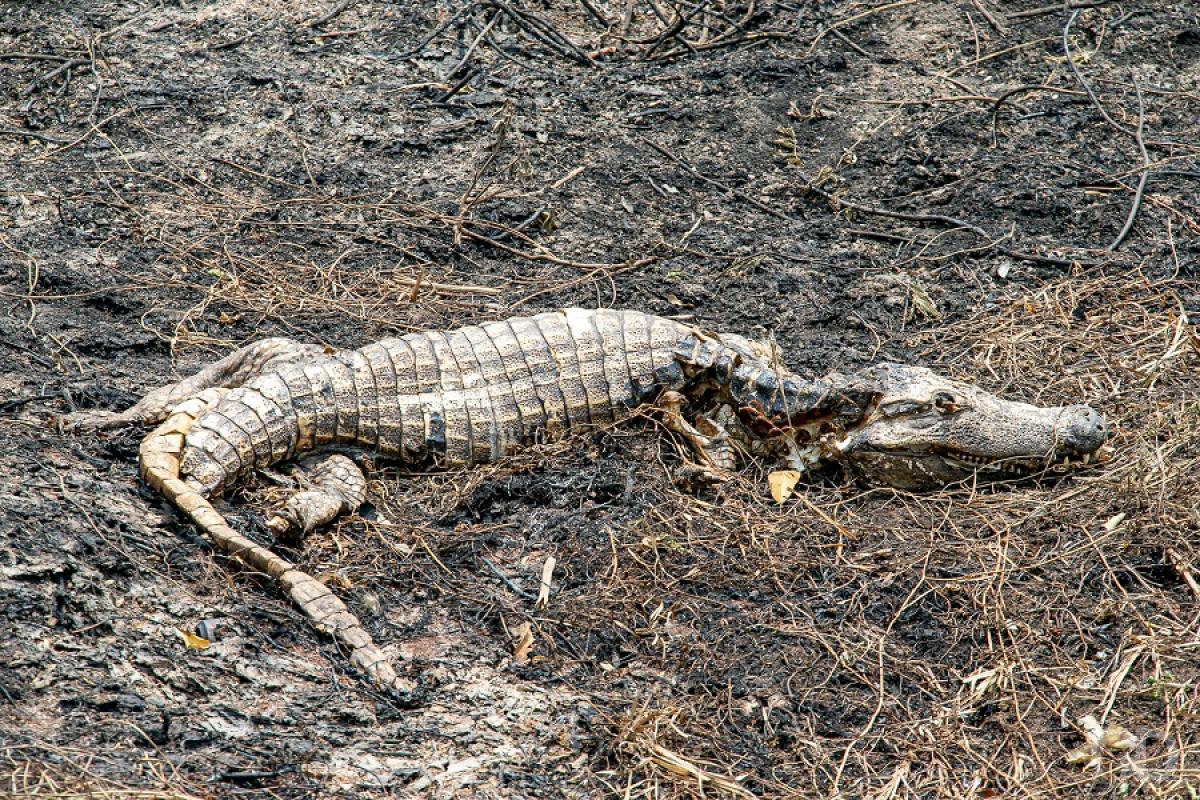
(1084, 429)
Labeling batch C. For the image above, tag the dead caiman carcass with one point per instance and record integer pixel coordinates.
(474, 394)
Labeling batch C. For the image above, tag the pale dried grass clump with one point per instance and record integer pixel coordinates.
(64, 773)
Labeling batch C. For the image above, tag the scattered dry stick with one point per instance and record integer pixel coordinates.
(337, 9)
(763, 207)
(855, 18)
(1145, 176)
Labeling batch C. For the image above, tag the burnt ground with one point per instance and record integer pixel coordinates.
(937, 182)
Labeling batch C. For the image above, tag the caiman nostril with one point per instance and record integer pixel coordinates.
(1085, 429)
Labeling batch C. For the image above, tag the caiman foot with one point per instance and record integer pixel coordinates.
(94, 420)
(715, 454)
(334, 485)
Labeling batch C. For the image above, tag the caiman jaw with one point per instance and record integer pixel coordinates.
(1062, 462)
(927, 431)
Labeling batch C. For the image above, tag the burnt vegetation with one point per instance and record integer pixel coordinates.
(1005, 191)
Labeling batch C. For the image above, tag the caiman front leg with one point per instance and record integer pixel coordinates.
(710, 442)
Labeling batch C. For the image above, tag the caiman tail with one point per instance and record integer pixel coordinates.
(161, 452)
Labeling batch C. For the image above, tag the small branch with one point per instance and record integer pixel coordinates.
(35, 56)
(33, 135)
(763, 207)
(1066, 43)
(995, 22)
(1043, 10)
(1184, 571)
(1141, 187)
(541, 30)
(998, 53)
(457, 87)
(592, 10)
(462, 62)
(1020, 255)
(92, 129)
(1138, 134)
(507, 581)
(52, 74)
(331, 13)
(438, 30)
(1032, 87)
(844, 39)
(855, 18)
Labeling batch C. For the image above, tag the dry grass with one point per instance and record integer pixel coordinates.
(58, 773)
(864, 644)
(847, 644)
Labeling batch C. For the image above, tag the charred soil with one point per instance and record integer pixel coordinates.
(1005, 191)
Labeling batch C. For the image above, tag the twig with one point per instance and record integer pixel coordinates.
(33, 135)
(546, 257)
(331, 13)
(674, 30)
(855, 18)
(35, 56)
(998, 24)
(1138, 134)
(232, 43)
(591, 9)
(750, 38)
(52, 74)
(1096, 101)
(444, 288)
(471, 49)
(543, 31)
(1141, 186)
(93, 129)
(1043, 10)
(763, 207)
(844, 39)
(457, 87)
(437, 31)
(1181, 567)
(507, 581)
(999, 53)
(1031, 87)
(1066, 43)
(1020, 255)
(498, 50)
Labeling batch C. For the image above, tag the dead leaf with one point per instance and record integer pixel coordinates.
(1100, 741)
(923, 303)
(783, 483)
(192, 641)
(523, 644)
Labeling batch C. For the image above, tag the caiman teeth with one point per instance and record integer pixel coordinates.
(1063, 463)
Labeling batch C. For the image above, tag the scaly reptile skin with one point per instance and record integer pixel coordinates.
(474, 394)
(467, 396)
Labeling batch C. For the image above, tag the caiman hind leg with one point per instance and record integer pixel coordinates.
(331, 485)
(161, 455)
(231, 371)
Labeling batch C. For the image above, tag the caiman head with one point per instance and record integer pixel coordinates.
(926, 431)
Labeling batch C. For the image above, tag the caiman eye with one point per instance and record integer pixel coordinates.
(901, 407)
(945, 402)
